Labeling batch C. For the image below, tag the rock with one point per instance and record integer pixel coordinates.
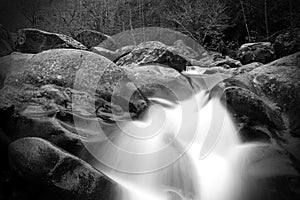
(125, 50)
(227, 63)
(90, 38)
(31, 40)
(40, 162)
(245, 102)
(261, 52)
(247, 68)
(154, 52)
(276, 85)
(42, 98)
(208, 70)
(6, 42)
(215, 59)
(185, 50)
(34, 111)
(165, 36)
(267, 172)
(287, 43)
(161, 81)
(70, 68)
(12, 63)
(280, 82)
(250, 110)
(111, 55)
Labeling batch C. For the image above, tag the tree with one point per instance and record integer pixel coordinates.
(202, 20)
(31, 10)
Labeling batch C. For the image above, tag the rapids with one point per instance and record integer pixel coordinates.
(180, 150)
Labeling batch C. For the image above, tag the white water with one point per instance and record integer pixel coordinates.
(203, 165)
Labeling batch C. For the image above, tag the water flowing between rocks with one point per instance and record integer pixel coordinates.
(177, 150)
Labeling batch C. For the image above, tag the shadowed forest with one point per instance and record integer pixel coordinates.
(218, 25)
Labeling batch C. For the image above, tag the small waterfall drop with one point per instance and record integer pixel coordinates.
(188, 163)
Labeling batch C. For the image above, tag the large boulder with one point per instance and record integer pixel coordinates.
(70, 68)
(267, 172)
(31, 40)
(42, 93)
(46, 92)
(247, 68)
(262, 52)
(266, 101)
(252, 113)
(142, 35)
(111, 55)
(126, 49)
(246, 103)
(6, 42)
(155, 52)
(38, 161)
(279, 81)
(215, 59)
(161, 81)
(287, 43)
(38, 112)
(181, 48)
(90, 38)
(12, 63)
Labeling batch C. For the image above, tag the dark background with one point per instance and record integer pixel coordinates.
(215, 24)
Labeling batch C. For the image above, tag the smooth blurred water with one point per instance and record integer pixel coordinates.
(177, 150)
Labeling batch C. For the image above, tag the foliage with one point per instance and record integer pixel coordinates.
(203, 20)
(31, 10)
(216, 24)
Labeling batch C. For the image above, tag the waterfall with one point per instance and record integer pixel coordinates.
(177, 151)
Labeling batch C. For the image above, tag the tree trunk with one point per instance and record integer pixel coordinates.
(245, 20)
(266, 20)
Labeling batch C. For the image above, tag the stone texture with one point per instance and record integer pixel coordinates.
(155, 52)
(90, 38)
(12, 63)
(31, 40)
(111, 55)
(270, 173)
(261, 52)
(287, 43)
(39, 161)
(215, 59)
(272, 91)
(40, 97)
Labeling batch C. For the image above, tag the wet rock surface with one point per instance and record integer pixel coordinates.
(262, 52)
(41, 162)
(111, 55)
(50, 101)
(41, 98)
(36, 99)
(90, 38)
(31, 40)
(156, 52)
(287, 43)
(276, 82)
(12, 63)
(215, 59)
(263, 101)
(271, 173)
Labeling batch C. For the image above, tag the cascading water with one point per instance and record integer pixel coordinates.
(176, 151)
